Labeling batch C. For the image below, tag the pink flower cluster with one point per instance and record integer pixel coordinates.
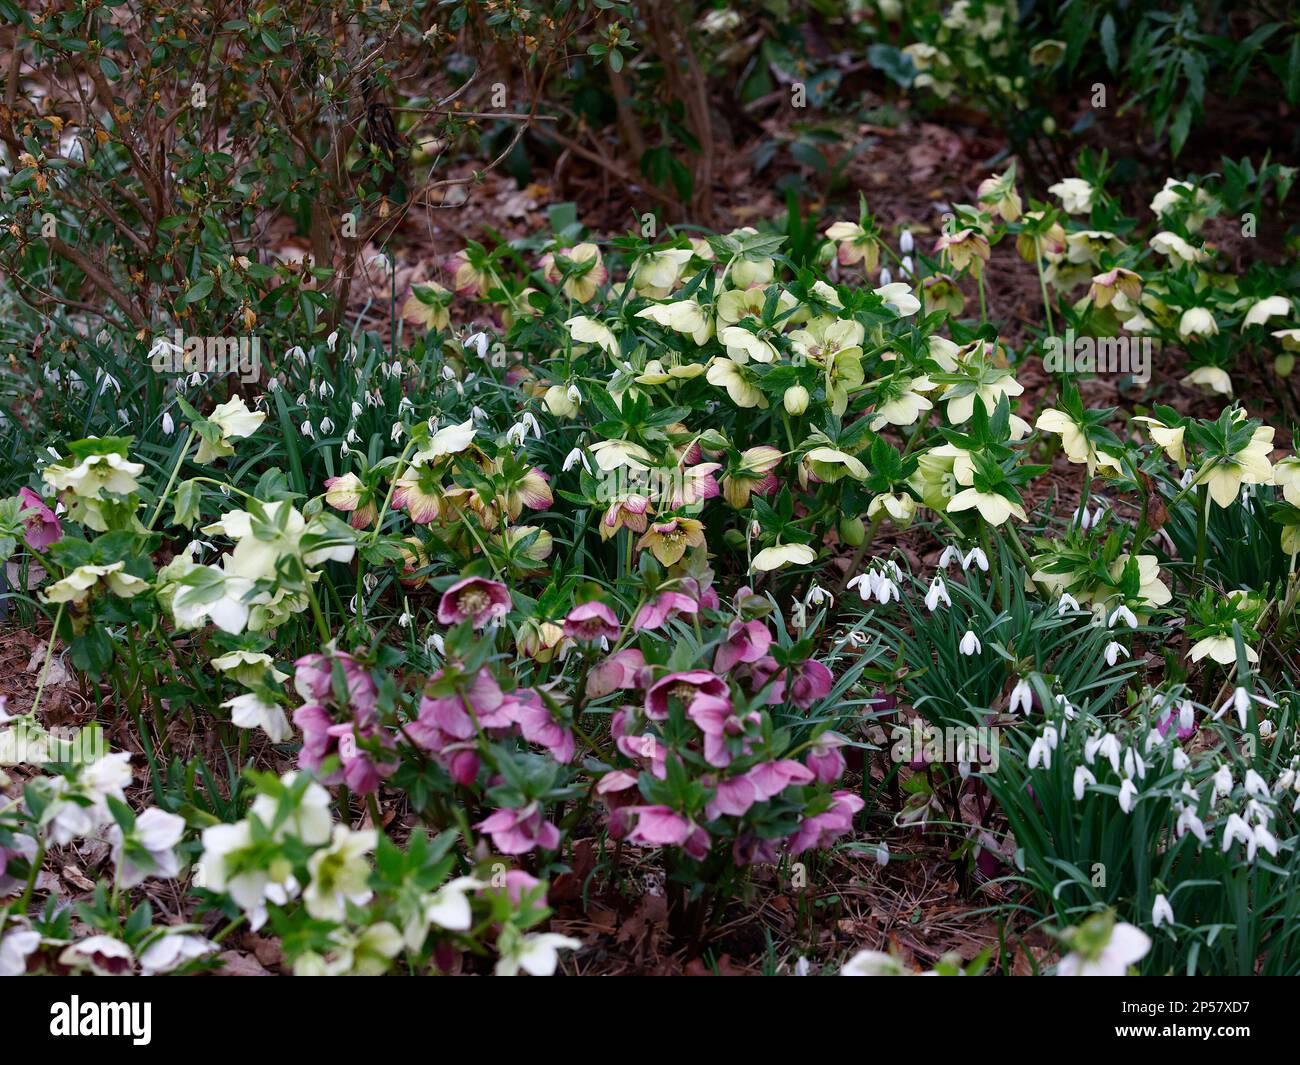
(333, 727)
(726, 736)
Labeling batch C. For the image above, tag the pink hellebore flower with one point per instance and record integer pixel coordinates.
(772, 778)
(519, 831)
(449, 715)
(824, 758)
(474, 599)
(685, 686)
(812, 681)
(313, 679)
(527, 710)
(661, 826)
(43, 526)
(322, 737)
(695, 485)
(732, 797)
(591, 621)
(821, 830)
(658, 610)
(718, 722)
(618, 790)
(640, 747)
(747, 641)
(620, 671)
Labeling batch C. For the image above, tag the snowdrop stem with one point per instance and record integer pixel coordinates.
(37, 860)
(49, 652)
(1202, 521)
(171, 481)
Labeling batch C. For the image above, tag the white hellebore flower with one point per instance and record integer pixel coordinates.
(1127, 945)
(537, 954)
(250, 710)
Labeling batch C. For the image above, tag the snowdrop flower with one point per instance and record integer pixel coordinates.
(907, 266)
(949, 556)
(1235, 829)
(937, 594)
(301, 401)
(1180, 759)
(326, 425)
(477, 413)
(970, 644)
(478, 341)
(1082, 778)
(885, 276)
(1161, 912)
(1240, 701)
(306, 430)
(1255, 785)
(326, 390)
(1022, 697)
(1128, 794)
(573, 458)
(978, 557)
(332, 340)
(1133, 764)
(517, 433)
(1223, 781)
(1188, 821)
(817, 595)
(906, 242)
(1124, 614)
(356, 409)
(1114, 651)
(1040, 753)
(1104, 744)
(396, 433)
(168, 426)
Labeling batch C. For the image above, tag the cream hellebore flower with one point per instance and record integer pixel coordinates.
(95, 474)
(1222, 649)
(855, 245)
(1170, 439)
(1175, 247)
(728, 374)
(611, 455)
(156, 833)
(829, 464)
(993, 508)
(771, 558)
(682, 316)
(1125, 946)
(1261, 311)
(427, 305)
(1211, 379)
(873, 963)
(1169, 198)
(902, 403)
(898, 297)
(580, 286)
(1075, 194)
(1074, 443)
(78, 585)
(900, 508)
(1250, 465)
(1197, 321)
(656, 273)
(250, 710)
(235, 421)
(992, 385)
(586, 330)
(247, 667)
(340, 874)
(536, 954)
(742, 345)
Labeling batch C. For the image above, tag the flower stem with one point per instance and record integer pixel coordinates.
(49, 652)
(171, 481)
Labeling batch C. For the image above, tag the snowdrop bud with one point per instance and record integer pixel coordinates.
(1022, 697)
(404, 620)
(882, 854)
(1161, 912)
(380, 261)
(332, 340)
(1124, 614)
(448, 374)
(907, 267)
(970, 644)
(396, 434)
(167, 424)
(885, 276)
(1128, 795)
(273, 385)
(344, 450)
(906, 243)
